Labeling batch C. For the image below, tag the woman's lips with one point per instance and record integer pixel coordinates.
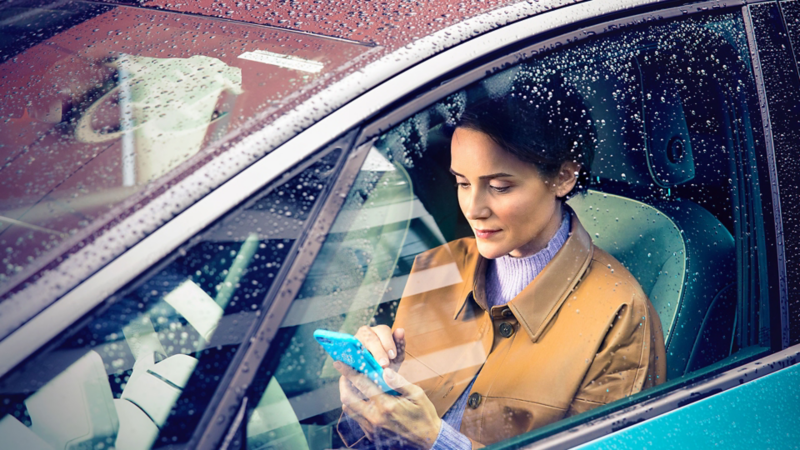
(485, 234)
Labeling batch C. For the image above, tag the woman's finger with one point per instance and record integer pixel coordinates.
(373, 344)
(399, 338)
(361, 382)
(354, 408)
(386, 337)
(348, 393)
(351, 402)
(401, 385)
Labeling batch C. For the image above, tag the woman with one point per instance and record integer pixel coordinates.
(543, 325)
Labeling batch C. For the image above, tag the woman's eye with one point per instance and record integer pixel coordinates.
(499, 188)
(462, 185)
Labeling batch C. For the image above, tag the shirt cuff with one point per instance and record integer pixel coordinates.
(450, 439)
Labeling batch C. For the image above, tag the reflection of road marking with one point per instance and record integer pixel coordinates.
(285, 61)
(142, 338)
(307, 310)
(361, 219)
(197, 307)
(376, 162)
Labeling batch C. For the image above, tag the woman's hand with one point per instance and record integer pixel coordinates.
(410, 416)
(388, 348)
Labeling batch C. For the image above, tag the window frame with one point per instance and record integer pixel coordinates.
(706, 382)
(775, 79)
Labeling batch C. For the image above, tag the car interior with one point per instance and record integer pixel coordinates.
(666, 198)
(669, 198)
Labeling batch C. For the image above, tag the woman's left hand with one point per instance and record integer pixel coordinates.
(410, 416)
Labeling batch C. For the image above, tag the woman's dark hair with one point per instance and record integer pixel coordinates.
(543, 123)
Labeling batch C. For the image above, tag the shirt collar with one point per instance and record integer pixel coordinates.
(539, 302)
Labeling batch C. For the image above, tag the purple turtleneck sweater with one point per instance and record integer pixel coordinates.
(506, 277)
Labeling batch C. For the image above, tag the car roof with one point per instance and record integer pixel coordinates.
(389, 23)
(391, 48)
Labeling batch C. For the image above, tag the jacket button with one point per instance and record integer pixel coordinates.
(474, 400)
(506, 313)
(506, 329)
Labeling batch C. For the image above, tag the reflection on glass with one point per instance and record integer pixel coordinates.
(101, 101)
(141, 373)
(164, 107)
(670, 178)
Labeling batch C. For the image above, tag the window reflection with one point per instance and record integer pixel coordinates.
(141, 372)
(102, 101)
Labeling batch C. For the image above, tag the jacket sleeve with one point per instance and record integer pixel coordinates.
(630, 358)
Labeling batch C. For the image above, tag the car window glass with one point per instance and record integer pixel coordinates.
(142, 371)
(673, 196)
(101, 101)
(791, 15)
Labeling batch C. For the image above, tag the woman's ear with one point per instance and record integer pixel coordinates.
(566, 178)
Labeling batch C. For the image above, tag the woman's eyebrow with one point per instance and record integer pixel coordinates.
(484, 177)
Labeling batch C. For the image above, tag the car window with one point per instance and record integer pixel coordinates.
(673, 196)
(103, 102)
(140, 372)
(791, 15)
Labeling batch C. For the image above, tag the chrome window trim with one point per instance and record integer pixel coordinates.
(106, 272)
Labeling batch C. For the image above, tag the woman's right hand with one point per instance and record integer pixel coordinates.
(388, 348)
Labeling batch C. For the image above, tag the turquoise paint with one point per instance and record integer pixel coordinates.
(761, 414)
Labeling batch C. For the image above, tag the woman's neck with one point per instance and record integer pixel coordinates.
(507, 276)
(543, 239)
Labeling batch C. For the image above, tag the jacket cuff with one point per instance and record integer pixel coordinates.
(450, 439)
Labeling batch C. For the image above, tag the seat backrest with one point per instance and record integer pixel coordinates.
(682, 255)
(645, 240)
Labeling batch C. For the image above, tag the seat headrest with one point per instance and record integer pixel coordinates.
(669, 148)
(643, 137)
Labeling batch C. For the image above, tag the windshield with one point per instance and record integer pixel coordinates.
(101, 102)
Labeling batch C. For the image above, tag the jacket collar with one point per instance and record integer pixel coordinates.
(539, 302)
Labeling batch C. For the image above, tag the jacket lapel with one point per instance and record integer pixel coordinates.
(539, 302)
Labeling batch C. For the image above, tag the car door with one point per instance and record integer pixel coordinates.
(682, 193)
(757, 413)
(331, 244)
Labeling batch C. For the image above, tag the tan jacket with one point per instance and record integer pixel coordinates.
(581, 335)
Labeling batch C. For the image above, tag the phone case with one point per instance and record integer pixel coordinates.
(347, 349)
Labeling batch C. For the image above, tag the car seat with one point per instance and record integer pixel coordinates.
(682, 255)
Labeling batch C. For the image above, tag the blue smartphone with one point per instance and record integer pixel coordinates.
(347, 349)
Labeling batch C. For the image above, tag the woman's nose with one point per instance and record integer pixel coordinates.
(476, 208)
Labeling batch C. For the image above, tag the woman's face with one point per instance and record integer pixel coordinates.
(511, 208)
